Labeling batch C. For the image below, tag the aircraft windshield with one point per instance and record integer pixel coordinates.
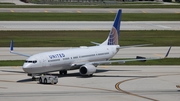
(29, 61)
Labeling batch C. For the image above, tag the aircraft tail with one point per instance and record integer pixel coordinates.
(113, 38)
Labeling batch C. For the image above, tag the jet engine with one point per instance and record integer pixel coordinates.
(87, 69)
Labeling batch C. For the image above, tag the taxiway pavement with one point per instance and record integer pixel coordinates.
(110, 83)
(91, 10)
(88, 25)
(123, 53)
(16, 2)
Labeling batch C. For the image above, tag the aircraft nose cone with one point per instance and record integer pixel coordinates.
(27, 67)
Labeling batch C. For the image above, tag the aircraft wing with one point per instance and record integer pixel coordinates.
(134, 46)
(138, 58)
(122, 61)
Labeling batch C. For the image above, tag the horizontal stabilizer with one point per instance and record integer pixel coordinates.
(97, 44)
(140, 57)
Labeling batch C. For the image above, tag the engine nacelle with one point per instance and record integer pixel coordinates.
(87, 69)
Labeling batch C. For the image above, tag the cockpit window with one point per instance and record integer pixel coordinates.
(29, 61)
(34, 61)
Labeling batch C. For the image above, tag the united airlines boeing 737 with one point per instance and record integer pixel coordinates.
(86, 59)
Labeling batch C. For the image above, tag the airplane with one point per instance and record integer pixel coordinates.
(84, 58)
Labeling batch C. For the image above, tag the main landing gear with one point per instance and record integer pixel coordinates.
(63, 72)
(33, 78)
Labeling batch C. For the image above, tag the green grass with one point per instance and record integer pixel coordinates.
(104, 2)
(6, 3)
(167, 61)
(79, 38)
(11, 62)
(92, 6)
(87, 17)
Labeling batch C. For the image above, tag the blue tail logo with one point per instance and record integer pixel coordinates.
(113, 37)
(114, 34)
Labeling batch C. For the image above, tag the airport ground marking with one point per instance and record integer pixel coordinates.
(143, 11)
(72, 86)
(111, 11)
(15, 67)
(87, 88)
(45, 11)
(177, 12)
(79, 11)
(117, 85)
(104, 66)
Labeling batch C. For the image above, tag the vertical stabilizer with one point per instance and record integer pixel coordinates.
(114, 34)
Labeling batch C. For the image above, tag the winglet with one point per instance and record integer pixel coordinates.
(168, 52)
(11, 45)
(12, 50)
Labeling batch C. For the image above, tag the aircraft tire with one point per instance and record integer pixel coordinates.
(45, 81)
(65, 72)
(52, 82)
(60, 72)
(33, 78)
(40, 80)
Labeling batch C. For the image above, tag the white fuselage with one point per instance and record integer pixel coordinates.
(64, 59)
